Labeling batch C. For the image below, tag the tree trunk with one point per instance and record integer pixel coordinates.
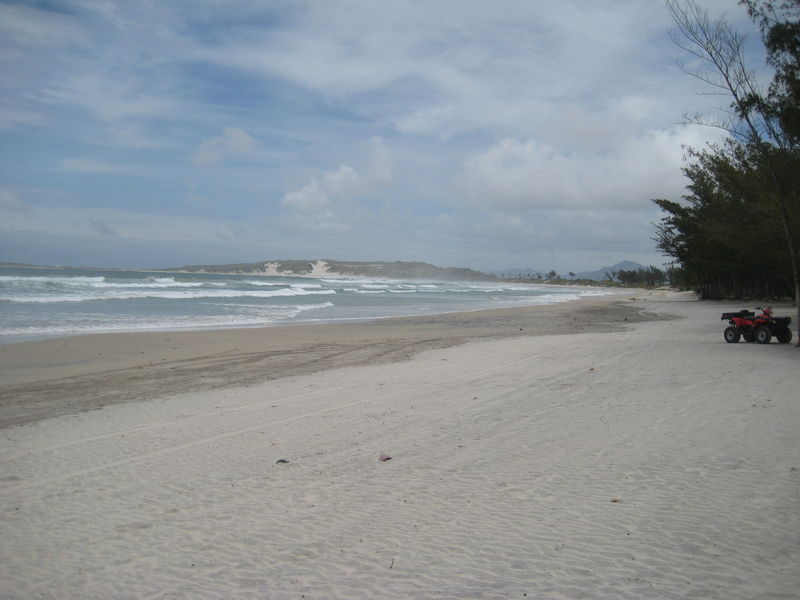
(797, 305)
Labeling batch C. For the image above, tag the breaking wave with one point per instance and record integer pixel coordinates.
(44, 302)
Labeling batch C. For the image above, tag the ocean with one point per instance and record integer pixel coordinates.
(38, 303)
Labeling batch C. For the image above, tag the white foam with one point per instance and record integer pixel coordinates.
(21, 279)
(155, 284)
(252, 315)
(354, 281)
(70, 304)
(264, 283)
(171, 295)
(307, 286)
(35, 282)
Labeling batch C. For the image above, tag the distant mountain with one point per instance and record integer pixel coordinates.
(601, 273)
(597, 275)
(335, 268)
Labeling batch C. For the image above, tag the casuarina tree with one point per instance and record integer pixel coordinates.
(764, 127)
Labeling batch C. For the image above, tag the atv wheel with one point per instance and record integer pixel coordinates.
(763, 335)
(784, 336)
(731, 335)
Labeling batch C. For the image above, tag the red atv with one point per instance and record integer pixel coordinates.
(757, 328)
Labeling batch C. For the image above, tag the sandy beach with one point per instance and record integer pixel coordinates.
(596, 449)
(72, 374)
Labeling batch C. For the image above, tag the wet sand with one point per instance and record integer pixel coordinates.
(61, 376)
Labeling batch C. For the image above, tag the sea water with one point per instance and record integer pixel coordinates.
(38, 302)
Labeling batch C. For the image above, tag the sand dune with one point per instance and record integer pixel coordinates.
(654, 461)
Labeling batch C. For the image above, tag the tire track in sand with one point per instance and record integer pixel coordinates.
(143, 457)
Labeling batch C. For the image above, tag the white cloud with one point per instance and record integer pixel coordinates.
(13, 118)
(320, 200)
(345, 182)
(637, 108)
(311, 198)
(521, 175)
(29, 27)
(457, 67)
(9, 201)
(380, 163)
(321, 223)
(213, 151)
(77, 222)
(529, 107)
(90, 165)
(111, 97)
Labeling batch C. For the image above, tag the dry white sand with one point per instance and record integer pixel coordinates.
(656, 462)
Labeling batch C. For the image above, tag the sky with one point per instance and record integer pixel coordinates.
(491, 135)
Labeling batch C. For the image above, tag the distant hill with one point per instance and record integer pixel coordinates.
(597, 275)
(600, 274)
(335, 268)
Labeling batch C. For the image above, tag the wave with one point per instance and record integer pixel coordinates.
(357, 281)
(17, 279)
(261, 317)
(68, 303)
(264, 283)
(307, 286)
(37, 282)
(272, 307)
(157, 285)
(375, 286)
(168, 295)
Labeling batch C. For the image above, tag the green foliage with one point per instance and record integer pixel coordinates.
(725, 238)
(648, 277)
(736, 234)
(780, 31)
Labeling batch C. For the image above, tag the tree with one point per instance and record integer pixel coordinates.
(766, 124)
(724, 235)
(780, 30)
(649, 276)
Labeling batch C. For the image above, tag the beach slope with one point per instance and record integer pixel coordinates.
(649, 460)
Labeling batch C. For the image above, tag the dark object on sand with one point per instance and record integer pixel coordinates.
(281, 461)
(756, 328)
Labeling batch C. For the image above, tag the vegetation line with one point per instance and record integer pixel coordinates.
(737, 231)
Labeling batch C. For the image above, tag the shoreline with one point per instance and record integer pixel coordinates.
(66, 375)
(160, 304)
(619, 294)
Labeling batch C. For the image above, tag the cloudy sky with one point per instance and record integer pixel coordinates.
(492, 135)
